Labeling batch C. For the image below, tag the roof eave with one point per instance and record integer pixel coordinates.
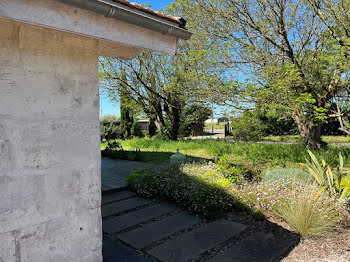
(130, 15)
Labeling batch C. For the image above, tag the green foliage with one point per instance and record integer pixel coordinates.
(200, 189)
(109, 131)
(196, 114)
(293, 175)
(136, 130)
(194, 117)
(152, 129)
(276, 121)
(337, 181)
(236, 172)
(278, 155)
(288, 55)
(247, 128)
(126, 115)
(308, 216)
(114, 146)
(109, 118)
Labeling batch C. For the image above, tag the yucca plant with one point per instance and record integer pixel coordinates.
(337, 181)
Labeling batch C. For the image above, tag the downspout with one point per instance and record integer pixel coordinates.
(123, 13)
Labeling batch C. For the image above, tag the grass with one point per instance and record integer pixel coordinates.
(308, 216)
(297, 138)
(267, 156)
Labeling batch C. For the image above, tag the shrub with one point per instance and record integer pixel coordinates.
(236, 173)
(199, 188)
(247, 128)
(194, 117)
(136, 130)
(295, 175)
(308, 216)
(110, 131)
(114, 146)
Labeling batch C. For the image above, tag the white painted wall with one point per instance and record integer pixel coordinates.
(49, 146)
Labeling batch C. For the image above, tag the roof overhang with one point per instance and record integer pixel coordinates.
(130, 15)
(121, 32)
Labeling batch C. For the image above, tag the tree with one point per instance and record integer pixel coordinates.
(287, 53)
(136, 130)
(152, 129)
(109, 128)
(126, 118)
(109, 118)
(194, 117)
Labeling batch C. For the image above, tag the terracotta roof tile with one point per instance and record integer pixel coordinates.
(148, 10)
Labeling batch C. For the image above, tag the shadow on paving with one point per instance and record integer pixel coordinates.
(163, 230)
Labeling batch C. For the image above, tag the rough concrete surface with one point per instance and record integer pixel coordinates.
(50, 184)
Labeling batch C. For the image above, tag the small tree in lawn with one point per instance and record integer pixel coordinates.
(194, 117)
(136, 130)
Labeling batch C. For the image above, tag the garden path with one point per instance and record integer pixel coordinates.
(138, 229)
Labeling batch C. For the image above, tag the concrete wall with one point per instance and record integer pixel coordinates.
(49, 146)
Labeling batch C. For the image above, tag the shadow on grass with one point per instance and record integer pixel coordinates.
(208, 195)
(148, 156)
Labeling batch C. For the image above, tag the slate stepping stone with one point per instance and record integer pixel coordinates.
(117, 196)
(196, 242)
(113, 251)
(259, 247)
(127, 220)
(125, 205)
(105, 187)
(149, 233)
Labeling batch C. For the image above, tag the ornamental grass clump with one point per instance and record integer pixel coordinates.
(308, 216)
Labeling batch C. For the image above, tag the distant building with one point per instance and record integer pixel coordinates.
(217, 120)
(144, 124)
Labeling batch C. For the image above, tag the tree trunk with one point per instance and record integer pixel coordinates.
(313, 139)
(301, 122)
(175, 125)
(309, 131)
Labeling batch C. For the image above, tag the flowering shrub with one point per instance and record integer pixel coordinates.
(199, 188)
(203, 189)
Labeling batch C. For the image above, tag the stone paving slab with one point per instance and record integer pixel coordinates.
(113, 252)
(116, 196)
(105, 187)
(196, 242)
(115, 171)
(121, 222)
(125, 205)
(149, 233)
(259, 247)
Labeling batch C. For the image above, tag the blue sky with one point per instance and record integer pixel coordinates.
(106, 107)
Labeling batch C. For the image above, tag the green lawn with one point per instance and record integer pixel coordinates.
(267, 156)
(297, 138)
